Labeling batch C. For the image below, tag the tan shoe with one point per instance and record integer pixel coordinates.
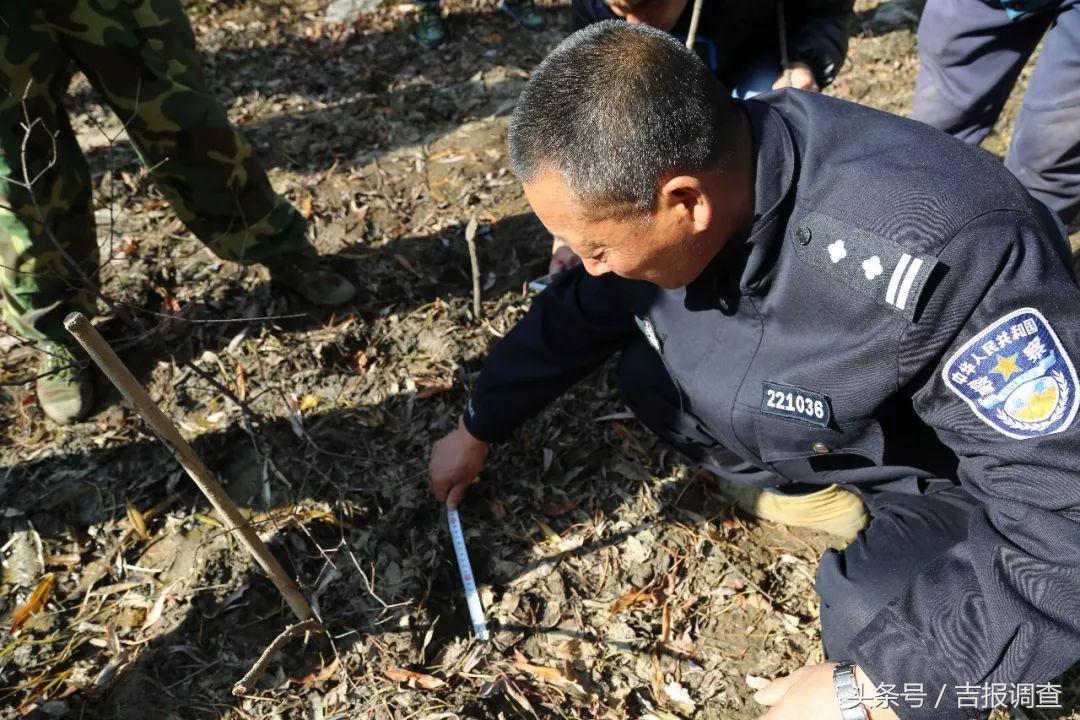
(65, 394)
(832, 510)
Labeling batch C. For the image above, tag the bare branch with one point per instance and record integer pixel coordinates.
(247, 682)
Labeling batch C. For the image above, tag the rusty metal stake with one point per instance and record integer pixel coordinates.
(113, 367)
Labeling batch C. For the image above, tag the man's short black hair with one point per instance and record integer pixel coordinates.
(615, 109)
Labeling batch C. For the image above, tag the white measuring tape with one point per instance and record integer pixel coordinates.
(472, 598)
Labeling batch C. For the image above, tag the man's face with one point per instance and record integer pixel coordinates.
(661, 14)
(653, 248)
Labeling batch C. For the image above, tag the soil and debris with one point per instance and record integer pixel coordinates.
(617, 582)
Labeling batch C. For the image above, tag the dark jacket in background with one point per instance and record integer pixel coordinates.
(744, 30)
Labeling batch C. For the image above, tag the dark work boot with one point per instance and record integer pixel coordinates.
(304, 274)
(524, 12)
(430, 27)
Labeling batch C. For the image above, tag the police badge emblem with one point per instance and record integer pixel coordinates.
(1016, 376)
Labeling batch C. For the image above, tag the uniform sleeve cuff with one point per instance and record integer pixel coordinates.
(906, 672)
(479, 427)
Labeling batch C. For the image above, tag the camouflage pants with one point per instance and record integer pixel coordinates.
(140, 56)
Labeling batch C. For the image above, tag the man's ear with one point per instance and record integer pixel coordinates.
(685, 196)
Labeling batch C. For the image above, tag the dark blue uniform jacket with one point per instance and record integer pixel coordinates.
(901, 302)
(739, 32)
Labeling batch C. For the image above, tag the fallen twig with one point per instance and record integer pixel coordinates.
(247, 682)
(470, 240)
(695, 17)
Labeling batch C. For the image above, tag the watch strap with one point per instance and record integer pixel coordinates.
(847, 692)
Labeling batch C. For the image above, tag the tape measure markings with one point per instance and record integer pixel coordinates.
(472, 597)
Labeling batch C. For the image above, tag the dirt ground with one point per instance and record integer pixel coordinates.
(617, 582)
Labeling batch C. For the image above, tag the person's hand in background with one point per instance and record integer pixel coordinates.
(562, 257)
(799, 76)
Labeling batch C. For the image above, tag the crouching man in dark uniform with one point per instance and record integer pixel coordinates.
(825, 294)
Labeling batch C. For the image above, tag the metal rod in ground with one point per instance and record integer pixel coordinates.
(113, 367)
(691, 35)
(785, 61)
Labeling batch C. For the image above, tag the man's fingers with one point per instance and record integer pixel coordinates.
(558, 264)
(433, 477)
(456, 495)
(438, 490)
(802, 77)
(771, 693)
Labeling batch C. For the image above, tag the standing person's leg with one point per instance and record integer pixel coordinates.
(142, 58)
(48, 247)
(1045, 149)
(37, 279)
(970, 55)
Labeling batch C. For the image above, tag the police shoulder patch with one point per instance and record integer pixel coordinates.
(870, 264)
(1016, 376)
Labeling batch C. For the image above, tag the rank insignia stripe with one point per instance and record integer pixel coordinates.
(873, 265)
(794, 403)
(1016, 376)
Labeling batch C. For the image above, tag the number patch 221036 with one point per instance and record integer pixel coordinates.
(805, 406)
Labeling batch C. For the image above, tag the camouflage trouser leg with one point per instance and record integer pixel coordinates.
(140, 54)
(48, 248)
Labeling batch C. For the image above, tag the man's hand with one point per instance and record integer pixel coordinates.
(562, 257)
(455, 462)
(799, 76)
(810, 693)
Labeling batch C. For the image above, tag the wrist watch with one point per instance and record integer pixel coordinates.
(847, 692)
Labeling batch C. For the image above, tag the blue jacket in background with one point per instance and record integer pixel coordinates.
(742, 31)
